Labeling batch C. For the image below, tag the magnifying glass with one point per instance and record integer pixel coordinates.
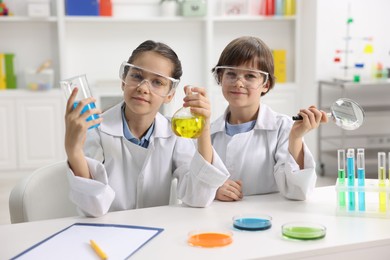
(346, 114)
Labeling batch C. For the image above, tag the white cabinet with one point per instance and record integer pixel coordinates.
(8, 119)
(32, 134)
(373, 135)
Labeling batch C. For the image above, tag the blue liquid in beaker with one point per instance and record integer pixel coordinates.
(88, 107)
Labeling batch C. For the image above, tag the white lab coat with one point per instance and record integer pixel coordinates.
(260, 157)
(127, 176)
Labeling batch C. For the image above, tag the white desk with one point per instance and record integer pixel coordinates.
(359, 237)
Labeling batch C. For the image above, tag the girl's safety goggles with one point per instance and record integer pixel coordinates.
(134, 76)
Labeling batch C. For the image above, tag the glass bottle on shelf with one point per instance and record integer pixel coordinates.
(169, 8)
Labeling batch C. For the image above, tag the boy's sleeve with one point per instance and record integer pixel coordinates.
(293, 182)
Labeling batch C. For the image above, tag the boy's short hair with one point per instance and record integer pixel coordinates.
(248, 50)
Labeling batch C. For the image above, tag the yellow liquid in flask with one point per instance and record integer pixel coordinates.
(188, 127)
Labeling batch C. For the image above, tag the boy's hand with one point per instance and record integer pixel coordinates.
(230, 191)
(312, 117)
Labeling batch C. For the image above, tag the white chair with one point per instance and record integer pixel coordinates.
(173, 200)
(44, 194)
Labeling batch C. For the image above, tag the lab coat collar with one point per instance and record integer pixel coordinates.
(113, 124)
(266, 120)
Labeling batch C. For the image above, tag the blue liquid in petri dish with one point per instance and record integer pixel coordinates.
(252, 224)
(88, 107)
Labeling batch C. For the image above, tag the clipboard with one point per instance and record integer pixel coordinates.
(117, 241)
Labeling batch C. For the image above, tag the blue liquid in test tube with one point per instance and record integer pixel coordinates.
(361, 178)
(351, 178)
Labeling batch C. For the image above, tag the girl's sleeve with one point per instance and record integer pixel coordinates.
(93, 196)
(198, 180)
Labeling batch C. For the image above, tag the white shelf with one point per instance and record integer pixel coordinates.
(22, 19)
(252, 18)
(98, 19)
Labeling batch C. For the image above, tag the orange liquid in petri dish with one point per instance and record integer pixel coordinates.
(210, 239)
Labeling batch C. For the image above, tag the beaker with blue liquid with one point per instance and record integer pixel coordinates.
(84, 92)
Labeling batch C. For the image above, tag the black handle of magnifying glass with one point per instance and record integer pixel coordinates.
(297, 118)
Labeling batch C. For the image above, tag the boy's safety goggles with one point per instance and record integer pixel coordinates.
(134, 76)
(250, 78)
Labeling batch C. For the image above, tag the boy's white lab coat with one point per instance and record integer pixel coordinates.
(260, 157)
(127, 176)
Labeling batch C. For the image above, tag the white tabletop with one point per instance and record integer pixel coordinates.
(360, 237)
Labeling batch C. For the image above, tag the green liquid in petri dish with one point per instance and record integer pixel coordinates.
(303, 233)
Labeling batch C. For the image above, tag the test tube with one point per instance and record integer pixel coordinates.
(382, 180)
(341, 176)
(351, 178)
(361, 178)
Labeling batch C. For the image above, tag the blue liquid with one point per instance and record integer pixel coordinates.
(86, 108)
(252, 224)
(351, 182)
(361, 195)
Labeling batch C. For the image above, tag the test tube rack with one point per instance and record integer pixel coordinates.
(372, 193)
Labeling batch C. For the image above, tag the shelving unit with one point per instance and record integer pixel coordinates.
(96, 46)
(374, 99)
(76, 44)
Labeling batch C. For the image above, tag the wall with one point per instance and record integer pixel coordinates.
(370, 19)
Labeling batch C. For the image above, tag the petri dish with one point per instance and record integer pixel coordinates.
(252, 222)
(210, 238)
(303, 231)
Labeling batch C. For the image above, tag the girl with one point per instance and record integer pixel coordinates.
(263, 151)
(130, 159)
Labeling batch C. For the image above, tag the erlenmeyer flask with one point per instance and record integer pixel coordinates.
(186, 124)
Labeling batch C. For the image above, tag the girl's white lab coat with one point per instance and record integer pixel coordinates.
(127, 176)
(260, 157)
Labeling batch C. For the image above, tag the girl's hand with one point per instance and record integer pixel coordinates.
(76, 125)
(230, 191)
(312, 117)
(198, 101)
(199, 104)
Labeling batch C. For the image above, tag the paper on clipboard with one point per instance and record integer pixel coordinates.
(117, 241)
